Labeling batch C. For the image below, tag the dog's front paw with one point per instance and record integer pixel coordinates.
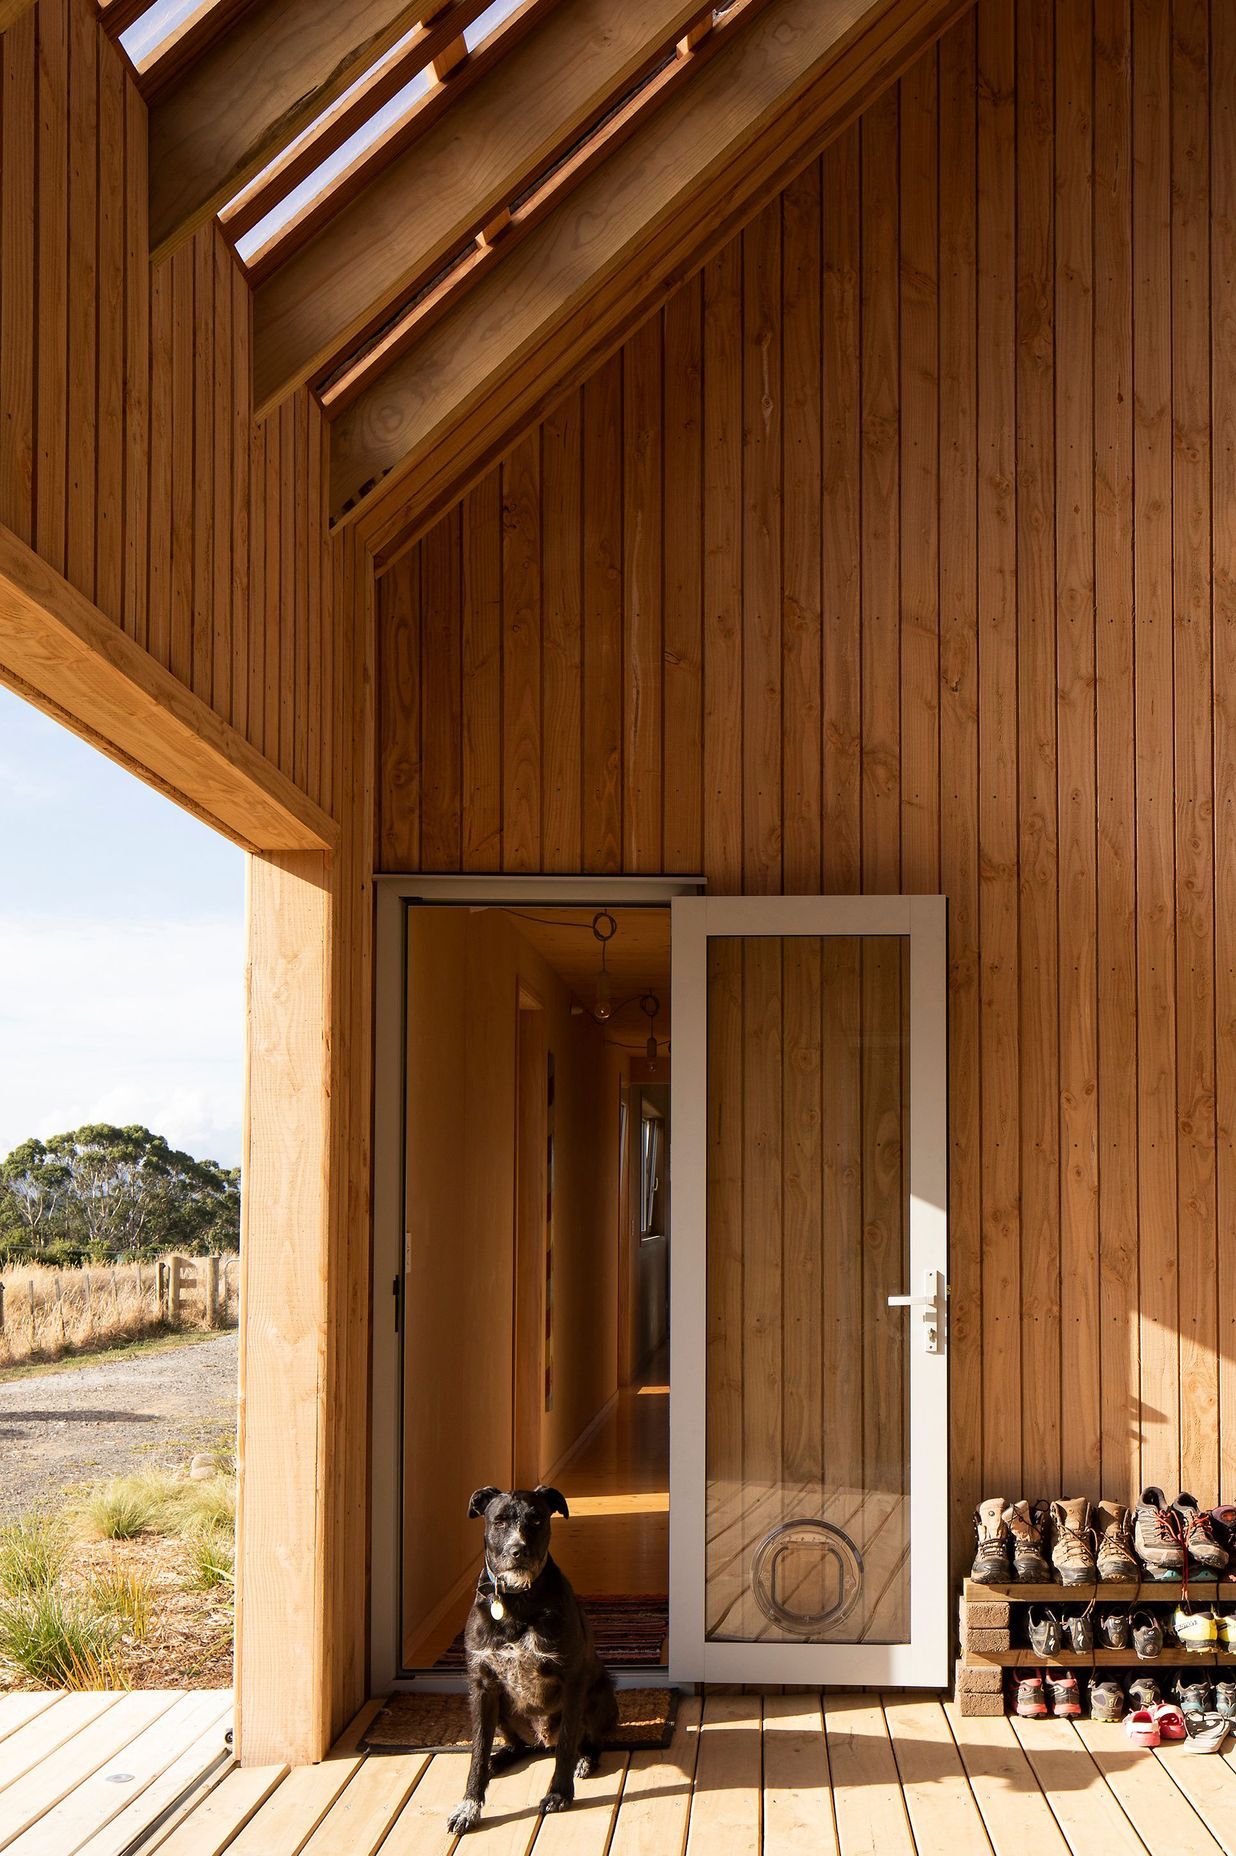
(556, 1801)
(463, 1817)
(586, 1765)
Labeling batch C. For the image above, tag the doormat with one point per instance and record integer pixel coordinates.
(439, 1723)
(630, 1631)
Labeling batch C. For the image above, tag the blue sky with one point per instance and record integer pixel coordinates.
(121, 950)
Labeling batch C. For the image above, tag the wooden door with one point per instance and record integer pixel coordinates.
(808, 1490)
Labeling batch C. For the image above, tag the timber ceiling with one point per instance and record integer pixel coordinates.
(376, 165)
(637, 960)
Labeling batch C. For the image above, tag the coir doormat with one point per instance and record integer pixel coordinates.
(439, 1723)
(629, 1629)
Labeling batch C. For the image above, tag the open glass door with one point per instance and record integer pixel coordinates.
(809, 1436)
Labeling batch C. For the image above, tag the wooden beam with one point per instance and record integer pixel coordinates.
(187, 41)
(383, 81)
(116, 16)
(507, 128)
(254, 88)
(765, 104)
(286, 1426)
(60, 651)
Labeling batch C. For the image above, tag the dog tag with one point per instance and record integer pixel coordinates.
(496, 1608)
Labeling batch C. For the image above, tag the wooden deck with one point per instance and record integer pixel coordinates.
(89, 1774)
(769, 1775)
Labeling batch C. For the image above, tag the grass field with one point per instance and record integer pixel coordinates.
(48, 1314)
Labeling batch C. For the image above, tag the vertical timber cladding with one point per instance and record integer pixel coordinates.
(854, 570)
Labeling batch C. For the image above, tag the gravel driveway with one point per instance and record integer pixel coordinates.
(117, 1416)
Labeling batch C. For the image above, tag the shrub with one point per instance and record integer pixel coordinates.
(32, 1555)
(57, 1641)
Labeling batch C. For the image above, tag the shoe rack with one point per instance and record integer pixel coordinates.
(988, 1627)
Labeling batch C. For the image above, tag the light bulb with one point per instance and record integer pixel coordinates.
(650, 1050)
(603, 1006)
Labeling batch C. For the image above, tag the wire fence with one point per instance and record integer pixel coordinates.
(45, 1313)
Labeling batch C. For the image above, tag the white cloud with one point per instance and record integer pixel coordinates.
(122, 1021)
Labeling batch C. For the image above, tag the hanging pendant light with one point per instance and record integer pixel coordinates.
(651, 1005)
(604, 927)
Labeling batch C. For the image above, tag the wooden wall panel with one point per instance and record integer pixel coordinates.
(127, 407)
(937, 489)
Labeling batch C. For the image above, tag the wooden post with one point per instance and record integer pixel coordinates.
(174, 1268)
(1, 1308)
(211, 1292)
(33, 1308)
(59, 1304)
(162, 1299)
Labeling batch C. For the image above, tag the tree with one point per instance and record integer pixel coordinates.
(101, 1190)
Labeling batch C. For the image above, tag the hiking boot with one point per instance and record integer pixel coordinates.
(1223, 1526)
(1193, 1692)
(1225, 1699)
(1198, 1535)
(991, 1553)
(1029, 1560)
(1031, 1703)
(1063, 1695)
(1070, 1549)
(1046, 1636)
(1156, 1536)
(1114, 1558)
(1225, 1626)
(1144, 1692)
(1106, 1699)
(1147, 1636)
(1079, 1630)
(1114, 1630)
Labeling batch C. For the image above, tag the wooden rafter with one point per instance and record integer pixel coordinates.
(298, 160)
(187, 42)
(224, 116)
(786, 82)
(524, 115)
(12, 10)
(332, 130)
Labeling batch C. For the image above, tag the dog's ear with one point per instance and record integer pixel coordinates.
(554, 1500)
(480, 1501)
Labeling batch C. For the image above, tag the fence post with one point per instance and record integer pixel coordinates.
(211, 1292)
(33, 1308)
(59, 1304)
(161, 1295)
(173, 1290)
(1, 1308)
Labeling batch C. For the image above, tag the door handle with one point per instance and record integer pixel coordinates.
(934, 1303)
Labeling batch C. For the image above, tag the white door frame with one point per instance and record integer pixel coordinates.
(394, 895)
(923, 1661)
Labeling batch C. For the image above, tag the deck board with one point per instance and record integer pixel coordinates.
(794, 1774)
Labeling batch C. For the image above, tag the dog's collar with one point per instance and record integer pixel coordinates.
(496, 1607)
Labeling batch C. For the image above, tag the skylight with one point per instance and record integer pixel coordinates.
(144, 37)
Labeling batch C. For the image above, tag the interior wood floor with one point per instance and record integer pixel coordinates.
(616, 1540)
(771, 1775)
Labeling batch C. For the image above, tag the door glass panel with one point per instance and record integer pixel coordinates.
(807, 1452)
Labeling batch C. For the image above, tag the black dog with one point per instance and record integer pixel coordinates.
(533, 1668)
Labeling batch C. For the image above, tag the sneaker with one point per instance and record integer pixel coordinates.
(1029, 1560)
(1193, 1692)
(991, 1553)
(1114, 1630)
(1156, 1535)
(1225, 1625)
(1142, 1728)
(1198, 1535)
(1031, 1703)
(1063, 1694)
(1071, 1554)
(1225, 1699)
(1106, 1699)
(1114, 1558)
(1046, 1635)
(1079, 1631)
(1144, 1692)
(1196, 1631)
(1147, 1634)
